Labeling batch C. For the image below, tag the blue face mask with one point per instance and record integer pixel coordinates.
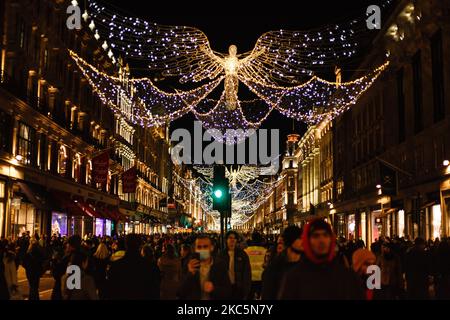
(204, 254)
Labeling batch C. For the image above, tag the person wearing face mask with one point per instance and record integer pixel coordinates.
(207, 277)
(318, 275)
(285, 261)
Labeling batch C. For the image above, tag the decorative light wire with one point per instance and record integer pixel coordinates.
(185, 52)
(248, 191)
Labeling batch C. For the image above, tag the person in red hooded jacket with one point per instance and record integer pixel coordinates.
(319, 276)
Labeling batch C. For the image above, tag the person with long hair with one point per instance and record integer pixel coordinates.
(170, 266)
(100, 260)
(33, 264)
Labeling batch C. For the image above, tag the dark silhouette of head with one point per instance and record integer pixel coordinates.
(133, 243)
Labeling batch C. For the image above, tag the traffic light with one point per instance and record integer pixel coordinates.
(221, 190)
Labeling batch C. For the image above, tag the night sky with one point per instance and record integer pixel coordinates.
(242, 22)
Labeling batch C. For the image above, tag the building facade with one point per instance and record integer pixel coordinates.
(53, 125)
(402, 123)
(382, 167)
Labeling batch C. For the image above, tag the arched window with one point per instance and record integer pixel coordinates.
(76, 167)
(88, 172)
(62, 161)
(139, 195)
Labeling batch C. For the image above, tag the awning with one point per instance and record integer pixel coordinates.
(114, 213)
(26, 190)
(89, 210)
(65, 203)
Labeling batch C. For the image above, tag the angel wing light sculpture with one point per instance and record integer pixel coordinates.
(275, 71)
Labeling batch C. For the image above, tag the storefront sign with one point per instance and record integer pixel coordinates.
(129, 179)
(100, 166)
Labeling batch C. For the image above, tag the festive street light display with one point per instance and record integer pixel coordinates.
(248, 191)
(276, 71)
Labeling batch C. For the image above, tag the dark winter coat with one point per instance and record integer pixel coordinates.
(242, 273)
(130, 278)
(329, 281)
(218, 275)
(33, 264)
(273, 274)
(4, 292)
(417, 270)
(320, 279)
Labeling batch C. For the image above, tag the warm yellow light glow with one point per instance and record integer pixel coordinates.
(437, 220)
(401, 223)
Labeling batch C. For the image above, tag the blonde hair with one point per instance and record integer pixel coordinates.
(33, 244)
(102, 251)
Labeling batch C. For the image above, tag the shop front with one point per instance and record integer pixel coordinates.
(445, 204)
(79, 217)
(59, 224)
(27, 210)
(3, 199)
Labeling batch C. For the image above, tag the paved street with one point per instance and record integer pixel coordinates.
(45, 287)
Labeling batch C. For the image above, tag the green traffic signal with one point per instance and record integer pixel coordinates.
(218, 193)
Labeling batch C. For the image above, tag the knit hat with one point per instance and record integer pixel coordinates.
(360, 256)
(290, 234)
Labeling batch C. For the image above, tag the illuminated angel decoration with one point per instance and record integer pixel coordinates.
(185, 52)
(280, 71)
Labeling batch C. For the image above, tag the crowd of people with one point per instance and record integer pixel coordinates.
(308, 263)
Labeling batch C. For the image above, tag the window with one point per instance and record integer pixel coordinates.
(5, 132)
(340, 187)
(417, 88)
(62, 161)
(43, 153)
(400, 106)
(291, 181)
(46, 59)
(88, 172)
(437, 66)
(22, 34)
(76, 167)
(25, 143)
(2, 204)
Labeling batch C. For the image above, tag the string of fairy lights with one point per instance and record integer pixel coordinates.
(308, 102)
(150, 106)
(248, 191)
(280, 71)
(278, 57)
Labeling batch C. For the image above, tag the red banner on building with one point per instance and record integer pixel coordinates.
(129, 180)
(100, 166)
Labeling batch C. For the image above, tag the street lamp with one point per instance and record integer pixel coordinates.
(446, 163)
(378, 186)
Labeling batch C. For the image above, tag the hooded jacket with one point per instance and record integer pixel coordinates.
(320, 279)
